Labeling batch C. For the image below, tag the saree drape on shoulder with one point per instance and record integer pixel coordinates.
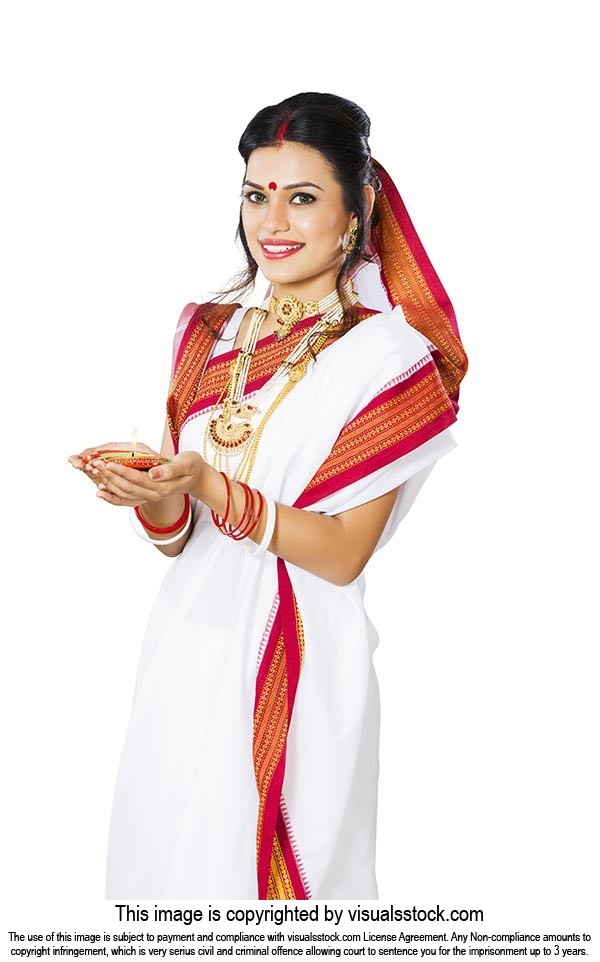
(251, 761)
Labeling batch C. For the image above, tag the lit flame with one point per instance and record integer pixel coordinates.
(133, 442)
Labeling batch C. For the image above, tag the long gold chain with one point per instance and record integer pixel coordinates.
(223, 432)
(244, 469)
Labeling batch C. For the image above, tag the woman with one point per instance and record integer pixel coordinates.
(250, 765)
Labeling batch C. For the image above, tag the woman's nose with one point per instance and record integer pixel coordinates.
(275, 216)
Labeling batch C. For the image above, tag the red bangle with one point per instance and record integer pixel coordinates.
(248, 520)
(237, 531)
(249, 528)
(170, 528)
(214, 515)
(229, 528)
(222, 524)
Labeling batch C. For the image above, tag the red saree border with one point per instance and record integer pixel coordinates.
(293, 846)
(203, 402)
(268, 355)
(190, 362)
(411, 281)
(269, 340)
(393, 423)
(279, 871)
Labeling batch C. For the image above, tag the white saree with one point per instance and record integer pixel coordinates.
(186, 805)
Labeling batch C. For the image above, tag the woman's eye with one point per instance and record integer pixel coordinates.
(305, 198)
(254, 193)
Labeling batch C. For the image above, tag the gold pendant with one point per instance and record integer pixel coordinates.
(297, 372)
(226, 434)
(289, 310)
(284, 330)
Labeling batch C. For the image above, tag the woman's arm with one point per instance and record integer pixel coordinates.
(335, 547)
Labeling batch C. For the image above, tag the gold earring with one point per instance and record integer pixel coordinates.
(351, 245)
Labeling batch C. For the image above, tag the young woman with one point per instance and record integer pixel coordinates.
(298, 434)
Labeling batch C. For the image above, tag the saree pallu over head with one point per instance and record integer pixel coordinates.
(370, 415)
(411, 283)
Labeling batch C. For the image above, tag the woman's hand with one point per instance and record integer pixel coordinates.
(131, 487)
(82, 460)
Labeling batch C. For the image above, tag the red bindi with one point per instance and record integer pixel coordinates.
(272, 185)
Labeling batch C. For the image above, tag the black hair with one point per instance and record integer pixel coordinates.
(339, 130)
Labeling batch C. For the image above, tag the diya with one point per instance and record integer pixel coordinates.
(131, 459)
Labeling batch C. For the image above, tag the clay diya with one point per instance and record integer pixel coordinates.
(131, 459)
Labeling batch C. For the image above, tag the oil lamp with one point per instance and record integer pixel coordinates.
(130, 458)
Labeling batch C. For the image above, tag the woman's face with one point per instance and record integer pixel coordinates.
(290, 198)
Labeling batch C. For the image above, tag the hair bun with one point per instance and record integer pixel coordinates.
(360, 119)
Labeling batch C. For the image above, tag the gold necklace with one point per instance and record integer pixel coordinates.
(228, 436)
(223, 432)
(289, 310)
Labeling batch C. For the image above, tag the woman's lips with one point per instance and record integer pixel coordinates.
(286, 250)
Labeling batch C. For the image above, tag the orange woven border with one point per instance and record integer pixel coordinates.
(411, 281)
(194, 350)
(279, 870)
(396, 421)
(268, 355)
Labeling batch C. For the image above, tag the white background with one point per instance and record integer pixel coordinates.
(120, 199)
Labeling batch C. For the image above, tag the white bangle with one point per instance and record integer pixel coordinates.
(133, 518)
(259, 549)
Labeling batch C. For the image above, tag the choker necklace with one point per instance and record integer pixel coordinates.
(229, 430)
(289, 310)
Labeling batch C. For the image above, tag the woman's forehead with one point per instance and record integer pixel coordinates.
(287, 163)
